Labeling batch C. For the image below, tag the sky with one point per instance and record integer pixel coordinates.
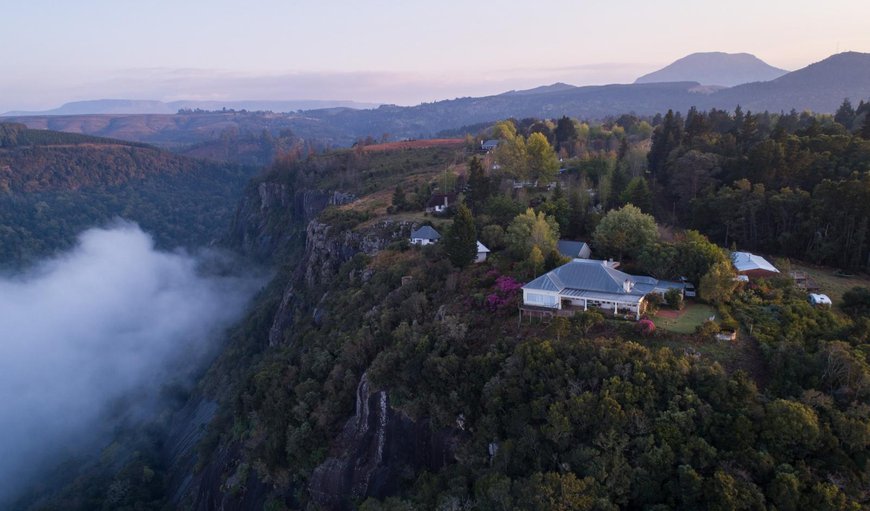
(387, 51)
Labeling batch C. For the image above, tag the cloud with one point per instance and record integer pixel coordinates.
(111, 318)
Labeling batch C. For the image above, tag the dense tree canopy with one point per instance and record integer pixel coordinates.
(625, 231)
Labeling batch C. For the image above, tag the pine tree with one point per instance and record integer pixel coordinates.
(399, 200)
(460, 242)
(478, 184)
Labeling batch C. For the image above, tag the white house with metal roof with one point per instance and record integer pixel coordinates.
(588, 283)
(425, 235)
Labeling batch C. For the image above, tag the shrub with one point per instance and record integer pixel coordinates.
(674, 299)
(646, 327)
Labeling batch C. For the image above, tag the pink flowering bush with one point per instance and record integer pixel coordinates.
(505, 294)
(646, 327)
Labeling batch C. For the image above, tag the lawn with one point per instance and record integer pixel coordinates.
(830, 284)
(685, 321)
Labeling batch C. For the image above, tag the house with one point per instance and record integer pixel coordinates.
(752, 265)
(482, 252)
(585, 283)
(439, 202)
(574, 249)
(820, 300)
(489, 145)
(425, 235)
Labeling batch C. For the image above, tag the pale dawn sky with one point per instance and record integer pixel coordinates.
(387, 51)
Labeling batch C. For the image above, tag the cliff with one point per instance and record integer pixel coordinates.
(270, 215)
(378, 450)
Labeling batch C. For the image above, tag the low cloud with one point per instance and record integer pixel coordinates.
(112, 318)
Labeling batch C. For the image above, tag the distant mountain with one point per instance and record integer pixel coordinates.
(715, 68)
(135, 106)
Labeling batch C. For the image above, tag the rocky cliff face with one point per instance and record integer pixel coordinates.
(326, 249)
(271, 217)
(377, 451)
(379, 447)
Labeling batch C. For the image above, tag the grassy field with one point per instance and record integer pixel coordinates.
(691, 317)
(831, 284)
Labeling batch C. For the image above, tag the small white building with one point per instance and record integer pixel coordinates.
(482, 253)
(425, 235)
(820, 300)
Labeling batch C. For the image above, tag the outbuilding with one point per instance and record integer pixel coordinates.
(425, 235)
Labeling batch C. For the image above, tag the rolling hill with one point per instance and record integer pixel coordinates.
(53, 185)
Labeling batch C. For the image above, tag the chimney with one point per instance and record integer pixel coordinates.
(627, 285)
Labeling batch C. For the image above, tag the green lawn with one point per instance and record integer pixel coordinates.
(830, 284)
(692, 316)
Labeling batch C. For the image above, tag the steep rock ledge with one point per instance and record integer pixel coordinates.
(272, 215)
(378, 450)
(326, 249)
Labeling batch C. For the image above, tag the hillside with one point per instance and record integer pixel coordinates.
(819, 87)
(53, 185)
(715, 68)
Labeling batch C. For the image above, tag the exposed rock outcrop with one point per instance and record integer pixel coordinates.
(272, 215)
(378, 450)
(326, 249)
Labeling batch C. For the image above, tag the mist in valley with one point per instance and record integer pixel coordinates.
(109, 321)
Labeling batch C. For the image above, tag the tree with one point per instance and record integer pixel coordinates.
(637, 192)
(460, 242)
(845, 115)
(399, 200)
(536, 260)
(625, 231)
(530, 229)
(717, 284)
(478, 184)
(542, 160)
(566, 132)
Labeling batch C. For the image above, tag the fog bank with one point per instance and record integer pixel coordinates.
(110, 318)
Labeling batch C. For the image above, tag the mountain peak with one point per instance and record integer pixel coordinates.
(715, 68)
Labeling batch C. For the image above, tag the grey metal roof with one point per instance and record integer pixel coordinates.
(426, 232)
(570, 248)
(593, 279)
(746, 261)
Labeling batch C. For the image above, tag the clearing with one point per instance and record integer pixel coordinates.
(684, 321)
(415, 144)
(830, 284)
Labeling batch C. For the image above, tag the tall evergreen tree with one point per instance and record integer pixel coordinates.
(845, 114)
(865, 130)
(478, 184)
(665, 139)
(460, 242)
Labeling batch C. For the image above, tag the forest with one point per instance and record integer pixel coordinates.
(55, 185)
